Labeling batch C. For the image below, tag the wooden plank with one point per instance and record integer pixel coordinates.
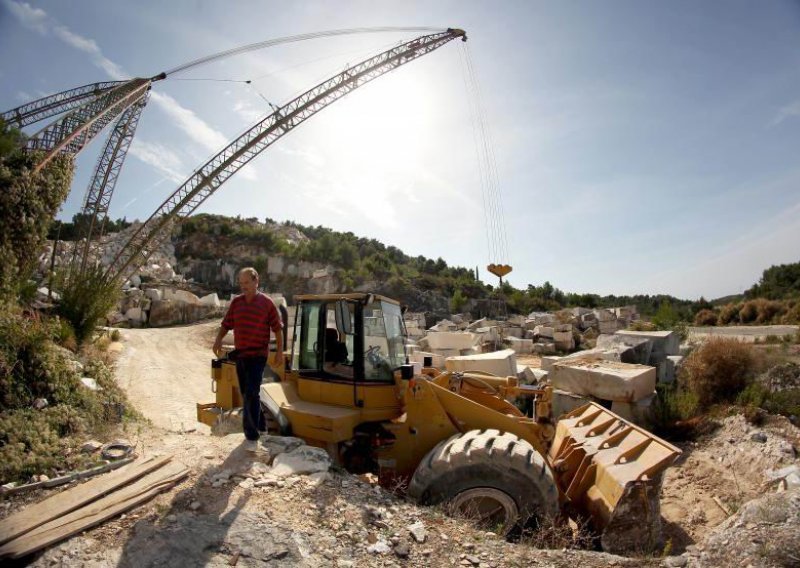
(85, 474)
(95, 513)
(69, 500)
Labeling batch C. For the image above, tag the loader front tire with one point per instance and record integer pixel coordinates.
(494, 478)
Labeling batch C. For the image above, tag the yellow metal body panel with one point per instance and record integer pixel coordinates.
(225, 385)
(326, 411)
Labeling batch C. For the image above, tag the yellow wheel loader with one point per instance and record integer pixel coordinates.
(455, 439)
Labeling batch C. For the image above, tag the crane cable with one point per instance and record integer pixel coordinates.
(291, 39)
(487, 166)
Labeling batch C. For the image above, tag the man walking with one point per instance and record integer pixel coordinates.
(251, 315)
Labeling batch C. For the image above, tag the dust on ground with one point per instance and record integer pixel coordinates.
(344, 520)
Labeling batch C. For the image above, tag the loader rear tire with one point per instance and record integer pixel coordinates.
(495, 478)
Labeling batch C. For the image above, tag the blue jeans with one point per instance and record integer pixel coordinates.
(249, 370)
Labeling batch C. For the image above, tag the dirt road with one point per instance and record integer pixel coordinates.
(166, 371)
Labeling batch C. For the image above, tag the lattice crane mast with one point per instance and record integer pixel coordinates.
(209, 177)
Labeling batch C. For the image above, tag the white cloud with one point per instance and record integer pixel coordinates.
(199, 130)
(160, 157)
(33, 18)
(248, 112)
(788, 111)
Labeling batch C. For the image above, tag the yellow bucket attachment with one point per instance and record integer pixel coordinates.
(611, 470)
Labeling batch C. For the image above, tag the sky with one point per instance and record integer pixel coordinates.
(640, 147)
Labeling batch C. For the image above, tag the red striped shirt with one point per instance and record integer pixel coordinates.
(251, 322)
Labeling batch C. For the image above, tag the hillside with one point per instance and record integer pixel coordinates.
(293, 259)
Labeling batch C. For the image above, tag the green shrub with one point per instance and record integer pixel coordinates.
(717, 371)
(86, 299)
(116, 335)
(28, 204)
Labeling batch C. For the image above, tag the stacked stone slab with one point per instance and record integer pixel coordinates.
(663, 344)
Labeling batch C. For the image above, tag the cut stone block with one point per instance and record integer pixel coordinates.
(664, 342)
(578, 312)
(513, 332)
(564, 402)
(419, 357)
(516, 320)
(604, 315)
(500, 363)
(630, 349)
(447, 352)
(532, 376)
(562, 335)
(549, 361)
(608, 326)
(673, 364)
(639, 412)
(544, 348)
(567, 345)
(488, 334)
(444, 325)
(520, 345)
(439, 340)
(607, 380)
(562, 328)
(544, 331)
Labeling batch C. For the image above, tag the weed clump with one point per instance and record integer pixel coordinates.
(44, 405)
(717, 371)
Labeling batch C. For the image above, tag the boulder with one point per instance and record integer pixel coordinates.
(500, 363)
(606, 380)
(180, 296)
(211, 300)
(169, 312)
(301, 461)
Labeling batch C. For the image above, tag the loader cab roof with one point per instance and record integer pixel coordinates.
(354, 297)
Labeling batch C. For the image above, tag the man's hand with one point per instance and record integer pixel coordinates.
(279, 359)
(217, 348)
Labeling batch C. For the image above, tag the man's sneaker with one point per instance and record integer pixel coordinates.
(251, 446)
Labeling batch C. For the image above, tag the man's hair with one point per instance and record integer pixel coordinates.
(252, 272)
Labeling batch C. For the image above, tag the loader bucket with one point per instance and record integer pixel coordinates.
(611, 470)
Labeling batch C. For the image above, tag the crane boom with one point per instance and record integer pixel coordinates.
(209, 177)
(72, 132)
(55, 104)
(106, 172)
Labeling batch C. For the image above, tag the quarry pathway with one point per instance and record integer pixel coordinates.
(166, 371)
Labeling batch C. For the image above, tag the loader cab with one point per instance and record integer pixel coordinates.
(352, 338)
